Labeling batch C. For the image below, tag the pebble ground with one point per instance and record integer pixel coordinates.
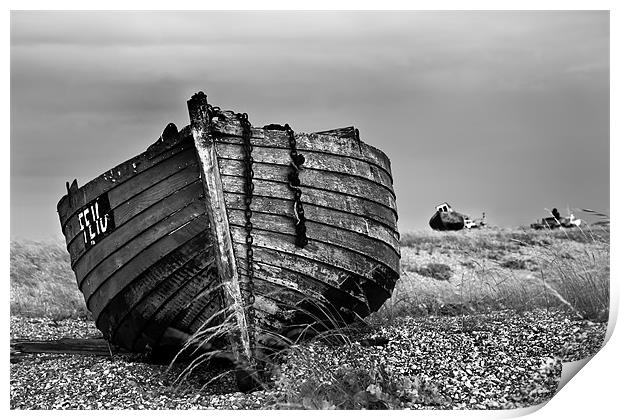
(493, 361)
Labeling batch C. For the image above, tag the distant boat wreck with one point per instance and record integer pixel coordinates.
(223, 221)
(445, 218)
(556, 221)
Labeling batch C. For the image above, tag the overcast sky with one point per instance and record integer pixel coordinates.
(504, 112)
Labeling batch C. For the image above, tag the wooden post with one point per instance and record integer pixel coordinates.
(218, 219)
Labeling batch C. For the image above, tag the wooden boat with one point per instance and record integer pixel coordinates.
(224, 221)
(447, 221)
(445, 218)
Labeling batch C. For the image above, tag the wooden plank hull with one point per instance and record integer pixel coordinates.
(146, 243)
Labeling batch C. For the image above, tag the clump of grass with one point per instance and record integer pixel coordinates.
(346, 389)
(436, 271)
(314, 319)
(517, 263)
(579, 283)
(492, 255)
(367, 385)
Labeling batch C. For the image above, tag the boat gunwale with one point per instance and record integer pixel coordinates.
(259, 134)
(71, 211)
(218, 126)
(219, 140)
(160, 147)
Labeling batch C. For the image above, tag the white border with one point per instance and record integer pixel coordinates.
(591, 394)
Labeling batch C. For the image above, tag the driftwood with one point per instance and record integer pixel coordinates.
(91, 346)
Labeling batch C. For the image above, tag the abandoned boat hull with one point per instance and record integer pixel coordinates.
(442, 220)
(147, 245)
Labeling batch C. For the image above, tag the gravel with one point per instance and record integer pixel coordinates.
(90, 382)
(497, 360)
(48, 329)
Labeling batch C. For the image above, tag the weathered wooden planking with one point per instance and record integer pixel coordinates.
(279, 303)
(155, 329)
(332, 217)
(357, 246)
(130, 330)
(321, 253)
(143, 252)
(135, 185)
(316, 280)
(268, 326)
(317, 197)
(289, 299)
(204, 285)
(284, 303)
(156, 213)
(227, 148)
(141, 263)
(343, 146)
(111, 179)
(360, 292)
(284, 297)
(141, 199)
(317, 271)
(90, 274)
(327, 181)
(157, 321)
(206, 310)
(269, 270)
(116, 308)
(155, 262)
(286, 307)
(155, 174)
(186, 260)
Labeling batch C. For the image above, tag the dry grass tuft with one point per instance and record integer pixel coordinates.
(42, 283)
(435, 271)
(495, 269)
